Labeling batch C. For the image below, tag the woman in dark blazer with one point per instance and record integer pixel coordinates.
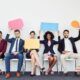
(48, 51)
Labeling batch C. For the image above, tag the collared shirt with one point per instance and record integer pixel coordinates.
(14, 47)
(68, 45)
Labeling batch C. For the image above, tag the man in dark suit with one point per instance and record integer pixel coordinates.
(15, 51)
(67, 48)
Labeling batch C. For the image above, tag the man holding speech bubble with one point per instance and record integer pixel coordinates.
(68, 49)
(15, 51)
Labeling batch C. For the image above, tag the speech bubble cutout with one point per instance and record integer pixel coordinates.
(49, 26)
(15, 24)
(75, 24)
(30, 44)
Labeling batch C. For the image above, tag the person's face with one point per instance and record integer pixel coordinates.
(32, 35)
(0, 35)
(17, 34)
(66, 34)
(48, 36)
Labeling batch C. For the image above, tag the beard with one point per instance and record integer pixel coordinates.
(65, 36)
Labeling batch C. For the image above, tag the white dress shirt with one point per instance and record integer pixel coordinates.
(68, 45)
(14, 47)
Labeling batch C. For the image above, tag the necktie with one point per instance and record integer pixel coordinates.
(16, 45)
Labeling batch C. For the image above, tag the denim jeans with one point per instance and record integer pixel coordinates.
(11, 56)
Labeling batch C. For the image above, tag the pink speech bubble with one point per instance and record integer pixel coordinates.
(15, 24)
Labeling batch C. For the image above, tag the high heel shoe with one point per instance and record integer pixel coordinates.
(32, 75)
(46, 73)
(42, 69)
(51, 72)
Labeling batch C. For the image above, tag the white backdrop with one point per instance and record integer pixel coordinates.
(33, 12)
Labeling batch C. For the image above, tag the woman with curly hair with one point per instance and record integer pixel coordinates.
(49, 42)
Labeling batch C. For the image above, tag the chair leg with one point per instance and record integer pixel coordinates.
(24, 63)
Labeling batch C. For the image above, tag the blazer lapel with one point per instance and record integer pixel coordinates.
(14, 42)
(19, 42)
(12, 45)
(63, 44)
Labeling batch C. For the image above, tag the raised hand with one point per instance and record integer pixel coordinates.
(58, 33)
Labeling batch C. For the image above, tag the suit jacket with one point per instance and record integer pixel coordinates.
(49, 48)
(12, 41)
(61, 46)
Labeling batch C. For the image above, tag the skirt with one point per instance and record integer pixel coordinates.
(28, 53)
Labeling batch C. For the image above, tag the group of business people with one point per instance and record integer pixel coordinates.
(66, 47)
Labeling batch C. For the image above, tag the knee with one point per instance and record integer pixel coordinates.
(33, 52)
(50, 58)
(20, 56)
(55, 59)
(7, 57)
(62, 56)
(32, 56)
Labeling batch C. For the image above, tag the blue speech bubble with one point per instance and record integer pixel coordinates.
(49, 26)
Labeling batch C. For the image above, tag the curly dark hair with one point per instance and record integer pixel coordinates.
(48, 32)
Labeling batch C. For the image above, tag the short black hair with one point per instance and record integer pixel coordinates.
(32, 32)
(66, 31)
(17, 30)
(0, 32)
(48, 32)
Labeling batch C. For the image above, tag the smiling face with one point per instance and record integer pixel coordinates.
(48, 36)
(17, 33)
(66, 34)
(32, 34)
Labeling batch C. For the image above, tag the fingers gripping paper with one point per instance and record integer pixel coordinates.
(32, 44)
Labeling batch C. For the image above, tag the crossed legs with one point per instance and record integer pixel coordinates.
(52, 61)
(35, 61)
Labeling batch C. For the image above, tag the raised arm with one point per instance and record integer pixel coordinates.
(41, 41)
(57, 42)
(7, 37)
(77, 38)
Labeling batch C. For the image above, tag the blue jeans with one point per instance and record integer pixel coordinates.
(11, 56)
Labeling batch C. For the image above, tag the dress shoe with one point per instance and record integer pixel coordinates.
(18, 74)
(42, 69)
(8, 75)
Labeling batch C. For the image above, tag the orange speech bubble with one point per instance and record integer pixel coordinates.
(75, 24)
